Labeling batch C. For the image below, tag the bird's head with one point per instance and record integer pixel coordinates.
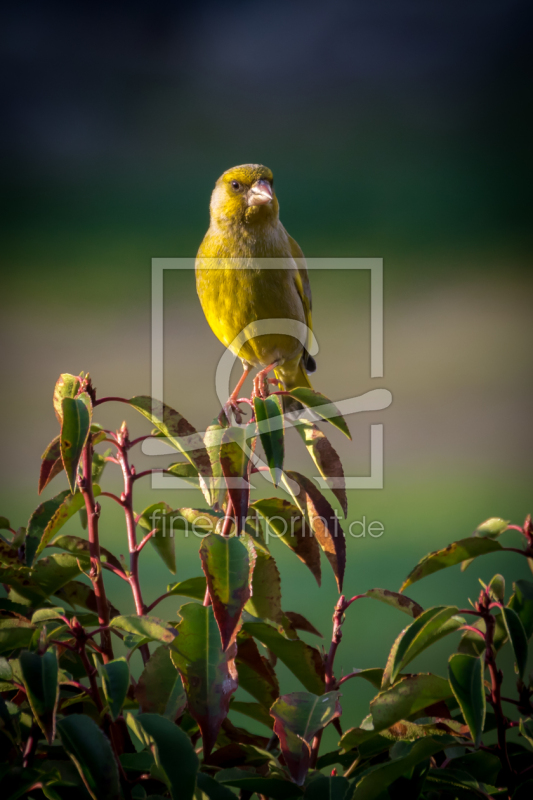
(245, 194)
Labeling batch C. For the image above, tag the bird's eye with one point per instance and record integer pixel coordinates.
(235, 185)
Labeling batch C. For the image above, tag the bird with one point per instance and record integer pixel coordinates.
(248, 269)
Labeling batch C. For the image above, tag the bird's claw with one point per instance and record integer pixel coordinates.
(231, 407)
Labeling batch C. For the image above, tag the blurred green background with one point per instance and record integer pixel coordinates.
(396, 130)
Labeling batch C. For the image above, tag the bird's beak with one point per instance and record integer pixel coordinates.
(260, 193)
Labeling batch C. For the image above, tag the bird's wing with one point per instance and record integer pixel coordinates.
(301, 279)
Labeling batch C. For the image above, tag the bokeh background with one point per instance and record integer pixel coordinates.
(399, 130)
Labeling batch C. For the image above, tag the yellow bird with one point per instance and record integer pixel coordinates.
(248, 270)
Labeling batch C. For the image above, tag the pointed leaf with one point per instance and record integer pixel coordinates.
(254, 711)
(269, 416)
(51, 463)
(66, 386)
(522, 603)
(517, 637)
(288, 524)
(428, 628)
(212, 789)
(152, 628)
(162, 540)
(91, 752)
(493, 527)
(274, 788)
(78, 546)
(396, 600)
(178, 431)
(77, 413)
(213, 443)
(173, 753)
(326, 460)
(234, 459)
(15, 632)
(39, 521)
(53, 572)
(455, 553)
(208, 673)
(324, 523)
(228, 564)
(301, 623)
(303, 660)
(71, 504)
(256, 674)
(297, 718)
(322, 406)
(76, 593)
(192, 587)
(265, 601)
(40, 676)
(327, 787)
(466, 679)
(157, 682)
(115, 677)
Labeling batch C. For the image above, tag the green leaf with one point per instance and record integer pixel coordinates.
(324, 523)
(4, 524)
(15, 632)
(76, 593)
(297, 718)
(265, 601)
(192, 587)
(427, 629)
(326, 459)
(526, 729)
(162, 540)
(522, 603)
(53, 572)
(208, 673)
(75, 426)
(321, 406)
(44, 614)
(303, 660)
(80, 547)
(274, 788)
(327, 787)
(269, 416)
(517, 637)
(288, 524)
(449, 556)
(179, 433)
(496, 588)
(256, 674)
(473, 645)
(40, 676)
(480, 764)
(157, 682)
(51, 463)
(396, 600)
(91, 752)
(115, 677)
(151, 628)
(373, 784)
(39, 521)
(213, 443)
(228, 564)
(70, 506)
(173, 753)
(466, 679)
(66, 386)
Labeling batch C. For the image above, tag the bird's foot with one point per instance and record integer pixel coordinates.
(231, 407)
(260, 385)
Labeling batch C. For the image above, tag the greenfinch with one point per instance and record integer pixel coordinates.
(248, 269)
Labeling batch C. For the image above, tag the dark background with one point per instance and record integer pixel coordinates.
(395, 129)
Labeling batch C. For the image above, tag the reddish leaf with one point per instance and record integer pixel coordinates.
(298, 718)
(300, 623)
(208, 673)
(288, 524)
(265, 601)
(51, 463)
(326, 459)
(324, 523)
(234, 459)
(228, 563)
(256, 674)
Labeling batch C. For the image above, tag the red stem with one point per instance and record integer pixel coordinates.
(96, 575)
(110, 400)
(127, 502)
(496, 678)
